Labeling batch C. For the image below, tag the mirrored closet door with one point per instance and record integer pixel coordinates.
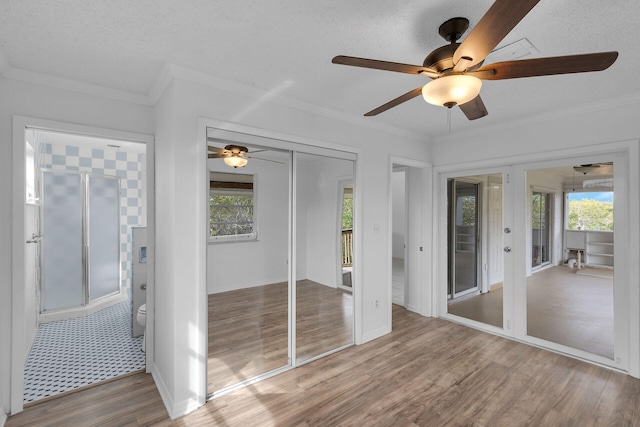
(324, 255)
(247, 266)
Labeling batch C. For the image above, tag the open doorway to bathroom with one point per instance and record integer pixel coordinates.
(85, 197)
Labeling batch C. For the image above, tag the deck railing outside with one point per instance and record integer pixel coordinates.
(347, 247)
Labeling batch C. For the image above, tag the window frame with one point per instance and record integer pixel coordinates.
(235, 237)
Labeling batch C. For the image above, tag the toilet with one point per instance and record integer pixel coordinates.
(141, 317)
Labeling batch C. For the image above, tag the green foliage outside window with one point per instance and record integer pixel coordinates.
(230, 215)
(347, 214)
(588, 214)
(468, 210)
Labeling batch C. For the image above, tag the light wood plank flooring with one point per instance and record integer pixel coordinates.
(427, 372)
(248, 329)
(562, 307)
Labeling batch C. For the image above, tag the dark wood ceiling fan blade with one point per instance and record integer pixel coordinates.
(399, 100)
(215, 156)
(499, 20)
(474, 109)
(550, 66)
(384, 65)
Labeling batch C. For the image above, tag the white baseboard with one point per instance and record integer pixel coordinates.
(372, 335)
(3, 418)
(174, 409)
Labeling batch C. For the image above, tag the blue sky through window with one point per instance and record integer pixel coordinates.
(601, 196)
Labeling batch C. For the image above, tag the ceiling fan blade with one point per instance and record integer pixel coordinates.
(214, 149)
(384, 65)
(216, 156)
(550, 66)
(399, 100)
(499, 20)
(474, 109)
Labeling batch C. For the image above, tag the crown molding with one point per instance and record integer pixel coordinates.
(172, 71)
(576, 110)
(9, 72)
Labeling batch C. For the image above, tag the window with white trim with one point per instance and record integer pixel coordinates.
(231, 207)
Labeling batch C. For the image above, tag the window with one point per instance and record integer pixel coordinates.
(231, 207)
(591, 211)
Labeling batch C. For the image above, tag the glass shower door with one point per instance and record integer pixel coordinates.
(103, 222)
(63, 272)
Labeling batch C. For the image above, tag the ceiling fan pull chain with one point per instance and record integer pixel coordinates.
(449, 119)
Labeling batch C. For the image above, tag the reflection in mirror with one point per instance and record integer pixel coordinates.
(570, 245)
(324, 305)
(475, 239)
(247, 271)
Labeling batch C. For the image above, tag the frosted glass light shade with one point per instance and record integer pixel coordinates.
(235, 162)
(451, 90)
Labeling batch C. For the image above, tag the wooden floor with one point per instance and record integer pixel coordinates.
(427, 372)
(248, 329)
(562, 307)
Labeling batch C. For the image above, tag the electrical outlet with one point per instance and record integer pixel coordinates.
(376, 304)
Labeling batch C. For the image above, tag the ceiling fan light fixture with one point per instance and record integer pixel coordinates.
(235, 161)
(452, 90)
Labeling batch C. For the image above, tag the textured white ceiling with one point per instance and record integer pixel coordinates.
(288, 44)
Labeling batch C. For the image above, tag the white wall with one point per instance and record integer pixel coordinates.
(399, 213)
(25, 99)
(243, 264)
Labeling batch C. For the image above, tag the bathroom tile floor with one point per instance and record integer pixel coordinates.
(74, 353)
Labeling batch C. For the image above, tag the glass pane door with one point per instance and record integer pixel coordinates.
(571, 303)
(324, 306)
(540, 213)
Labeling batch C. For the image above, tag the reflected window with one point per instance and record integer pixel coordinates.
(591, 211)
(231, 207)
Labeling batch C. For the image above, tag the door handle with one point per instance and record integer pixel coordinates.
(507, 249)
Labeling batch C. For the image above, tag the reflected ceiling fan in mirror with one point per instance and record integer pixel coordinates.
(605, 168)
(457, 69)
(236, 156)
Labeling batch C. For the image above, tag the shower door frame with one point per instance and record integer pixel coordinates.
(86, 300)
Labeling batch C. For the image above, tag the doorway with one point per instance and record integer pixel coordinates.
(83, 195)
(399, 235)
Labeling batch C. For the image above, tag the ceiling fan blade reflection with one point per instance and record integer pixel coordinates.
(499, 20)
(474, 109)
(264, 160)
(384, 65)
(399, 100)
(550, 66)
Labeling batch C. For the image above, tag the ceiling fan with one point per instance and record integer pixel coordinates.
(457, 69)
(235, 156)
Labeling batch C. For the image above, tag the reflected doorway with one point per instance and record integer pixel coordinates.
(475, 248)
(571, 302)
